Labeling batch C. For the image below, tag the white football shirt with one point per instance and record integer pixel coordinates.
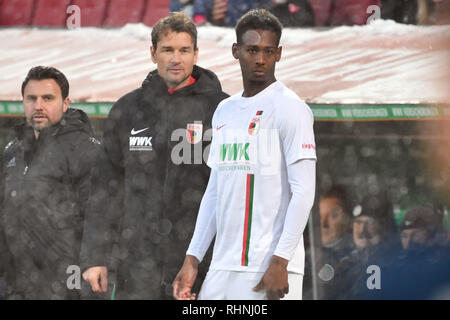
(254, 140)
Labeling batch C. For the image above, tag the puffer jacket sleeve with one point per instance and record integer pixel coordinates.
(3, 250)
(105, 205)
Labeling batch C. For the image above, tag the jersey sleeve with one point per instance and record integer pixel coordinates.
(302, 181)
(205, 227)
(296, 132)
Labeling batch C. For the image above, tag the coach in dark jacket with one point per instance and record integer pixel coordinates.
(45, 186)
(150, 186)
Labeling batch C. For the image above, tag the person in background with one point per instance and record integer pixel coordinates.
(187, 6)
(376, 243)
(223, 12)
(256, 204)
(373, 223)
(342, 12)
(148, 188)
(416, 11)
(335, 208)
(421, 228)
(292, 13)
(419, 270)
(45, 185)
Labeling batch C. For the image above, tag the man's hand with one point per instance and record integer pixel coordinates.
(275, 279)
(184, 281)
(97, 277)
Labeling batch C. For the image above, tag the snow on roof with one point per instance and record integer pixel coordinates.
(383, 62)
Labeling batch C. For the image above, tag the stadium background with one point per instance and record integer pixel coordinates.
(379, 92)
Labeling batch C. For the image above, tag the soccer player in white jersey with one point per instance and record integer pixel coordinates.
(262, 183)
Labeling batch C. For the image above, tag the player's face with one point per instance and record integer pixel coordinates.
(43, 103)
(333, 221)
(413, 235)
(366, 232)
(257, 56)
(175, 57)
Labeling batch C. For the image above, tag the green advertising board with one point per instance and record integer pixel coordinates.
(322, 112)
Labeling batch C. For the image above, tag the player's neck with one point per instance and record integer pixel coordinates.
(252, 88)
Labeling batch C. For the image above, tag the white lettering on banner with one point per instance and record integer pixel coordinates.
(376, 113)
(325, 113)
(105, 110)
(347, 113)
(87, 108)
(397, 112)
(365, 113)
(421, 112)
(15, 108)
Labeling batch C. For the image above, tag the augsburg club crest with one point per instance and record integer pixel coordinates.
(253, 128)
(194, 132)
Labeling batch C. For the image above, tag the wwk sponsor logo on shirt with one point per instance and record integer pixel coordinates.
(239, 151)
(140, 143)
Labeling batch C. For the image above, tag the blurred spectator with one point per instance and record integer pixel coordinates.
(441, 13)
(223, 12)
(335, 207)
(420, 269)
(182, 5)
(342, 12)
(373, 221)
(374, 236)
(421, 228)
(292, 13)
(335, 217)
(416, 11)
(403, 11)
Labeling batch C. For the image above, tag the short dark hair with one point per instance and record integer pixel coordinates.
(258, 19)
(42, 73)
(342, 193)
(176, 22)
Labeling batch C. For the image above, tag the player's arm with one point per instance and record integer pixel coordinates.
(302, 180)
(205, 230)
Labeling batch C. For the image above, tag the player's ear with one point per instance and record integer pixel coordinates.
(195, 55)
(235, 50)
(66, 104)
(153, 54)
(278, 57)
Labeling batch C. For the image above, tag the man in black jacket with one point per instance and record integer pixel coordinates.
(45, 183)
(149, 188)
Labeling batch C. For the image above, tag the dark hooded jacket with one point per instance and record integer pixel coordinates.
(149, 187)
(45, 186)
